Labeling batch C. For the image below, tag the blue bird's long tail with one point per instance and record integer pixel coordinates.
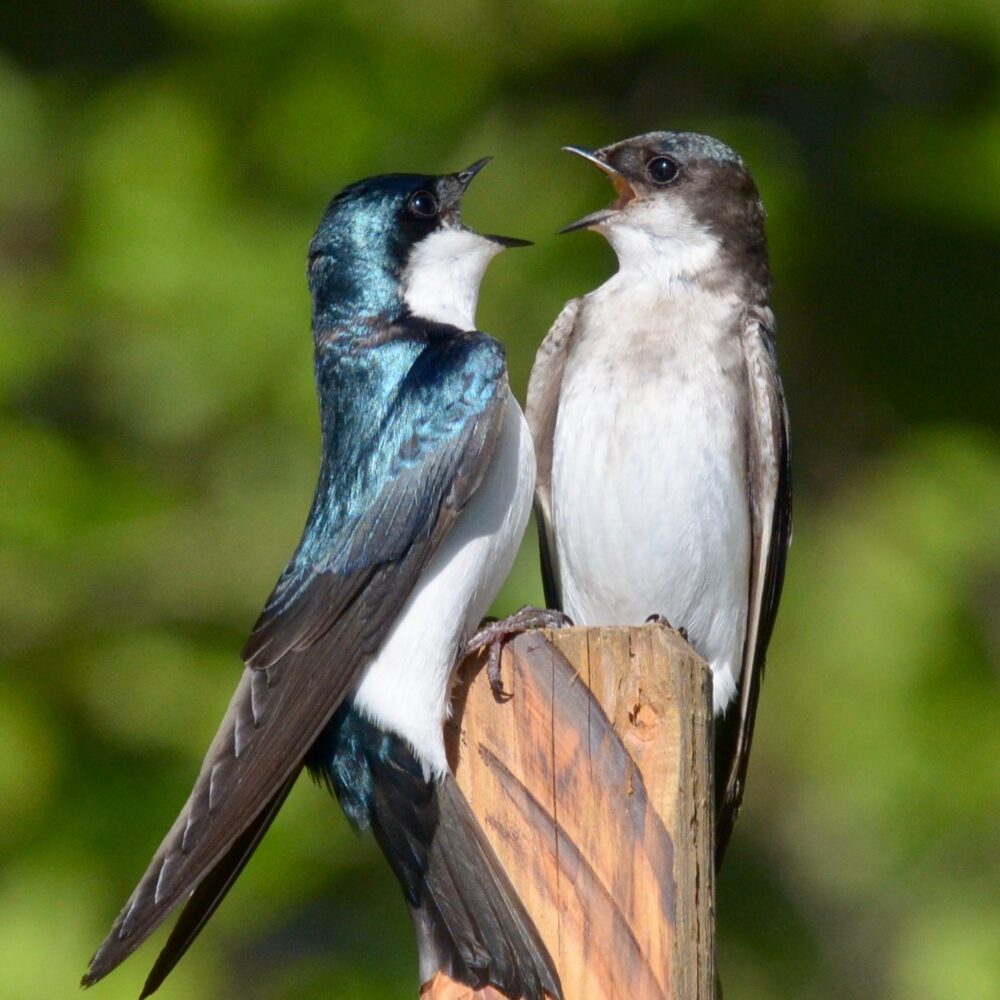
(470, 922)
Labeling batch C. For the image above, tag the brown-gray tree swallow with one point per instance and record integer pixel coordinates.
(660, 427)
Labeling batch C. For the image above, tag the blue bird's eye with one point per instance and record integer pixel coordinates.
(662, 169)
(422, 204)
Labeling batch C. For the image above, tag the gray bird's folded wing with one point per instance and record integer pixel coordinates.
(541, 411)
(770, 495)
(372, 528)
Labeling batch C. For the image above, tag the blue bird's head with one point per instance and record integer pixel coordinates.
(394, 245)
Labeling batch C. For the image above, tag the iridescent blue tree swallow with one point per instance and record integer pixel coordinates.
(424, 491)
(660, 427)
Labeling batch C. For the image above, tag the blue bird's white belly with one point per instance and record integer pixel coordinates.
(406, 689)
(649, 487)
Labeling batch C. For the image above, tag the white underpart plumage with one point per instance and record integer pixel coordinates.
(443, 274)
(660, 239)
(649, 485)
(408, 685)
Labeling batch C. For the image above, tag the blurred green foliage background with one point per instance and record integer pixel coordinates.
(162, 165)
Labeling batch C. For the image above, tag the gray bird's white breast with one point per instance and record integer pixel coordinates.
(649, 487)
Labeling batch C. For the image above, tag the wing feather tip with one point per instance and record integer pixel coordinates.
(100, 965)
(150, 987)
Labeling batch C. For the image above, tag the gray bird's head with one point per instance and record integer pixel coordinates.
(396, 243)
(686, 205)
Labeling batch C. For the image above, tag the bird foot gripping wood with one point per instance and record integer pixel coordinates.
(496, 634)
(593, 786)
(662, 620)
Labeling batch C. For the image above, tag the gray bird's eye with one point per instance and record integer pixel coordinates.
(422, 204)
(662, 169)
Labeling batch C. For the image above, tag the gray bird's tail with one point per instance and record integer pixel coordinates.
(469, 920)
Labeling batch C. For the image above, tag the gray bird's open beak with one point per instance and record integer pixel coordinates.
(622, 186)
(450, 191)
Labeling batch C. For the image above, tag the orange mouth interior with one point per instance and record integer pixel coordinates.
(624, 189)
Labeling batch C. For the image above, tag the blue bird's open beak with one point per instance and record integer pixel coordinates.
(453, 186)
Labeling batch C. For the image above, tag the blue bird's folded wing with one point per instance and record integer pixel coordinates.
(397, 470)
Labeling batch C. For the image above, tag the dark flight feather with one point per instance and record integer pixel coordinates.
(466, 910)
(211, 891)
(471, 901)
(770, 495)
(541, 412)
(407, 439)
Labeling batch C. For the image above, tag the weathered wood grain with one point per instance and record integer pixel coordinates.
(593, 783)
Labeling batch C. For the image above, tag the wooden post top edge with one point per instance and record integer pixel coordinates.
(669, 637)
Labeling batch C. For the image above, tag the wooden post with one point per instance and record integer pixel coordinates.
(593, 782)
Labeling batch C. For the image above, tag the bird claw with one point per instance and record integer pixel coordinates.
(496, 634)
(493, 673)
(662, 620)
